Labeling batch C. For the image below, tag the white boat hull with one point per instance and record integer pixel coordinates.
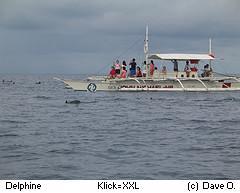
(133, 84)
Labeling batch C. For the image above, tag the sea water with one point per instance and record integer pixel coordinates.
(114, 135)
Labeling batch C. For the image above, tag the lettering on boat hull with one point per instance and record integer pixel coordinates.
(147, 86)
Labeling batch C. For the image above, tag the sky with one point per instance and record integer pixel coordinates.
(87, 36)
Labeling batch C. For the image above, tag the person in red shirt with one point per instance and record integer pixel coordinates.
(151, 68)
(124, 72)
(139, 72)
(112, 73)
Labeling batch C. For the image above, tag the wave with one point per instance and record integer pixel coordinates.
(13, 121)
(228, 99)
(42, 97)
(8, 135)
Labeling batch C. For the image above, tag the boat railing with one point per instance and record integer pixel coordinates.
(180, 74)
(97, 78)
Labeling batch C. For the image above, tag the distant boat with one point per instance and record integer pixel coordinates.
(8, 82)
(190, 79)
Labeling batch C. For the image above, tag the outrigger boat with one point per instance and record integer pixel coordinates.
(162, 81)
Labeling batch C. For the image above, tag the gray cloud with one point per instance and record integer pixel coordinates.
(80, 35)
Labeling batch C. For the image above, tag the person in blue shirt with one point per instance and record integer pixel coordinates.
(133, 66)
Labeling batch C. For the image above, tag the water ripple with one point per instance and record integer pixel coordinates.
(169, 135)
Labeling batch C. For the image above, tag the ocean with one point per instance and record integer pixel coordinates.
(114, 135)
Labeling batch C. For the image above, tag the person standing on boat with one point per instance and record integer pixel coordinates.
(151, 68)
(187, 69)
(175, 66)
(144, 71)
(133, 66)
(117, 67)
(124, 72)
(124, 64)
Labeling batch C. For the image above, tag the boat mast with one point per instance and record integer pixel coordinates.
(210, 52)
(146, 50)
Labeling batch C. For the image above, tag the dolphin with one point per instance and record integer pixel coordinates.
(72, 102)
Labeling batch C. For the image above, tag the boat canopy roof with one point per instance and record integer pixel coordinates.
(181, 57)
